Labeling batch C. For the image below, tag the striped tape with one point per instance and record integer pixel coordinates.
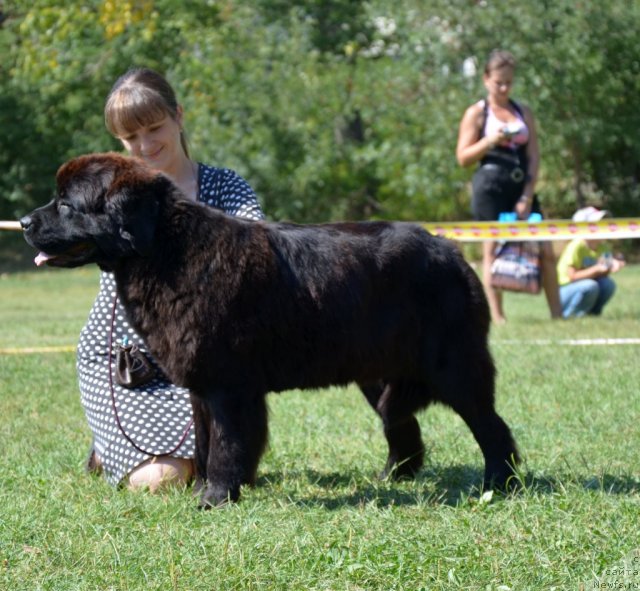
(597, 342)
(36, 350)
(610, 228)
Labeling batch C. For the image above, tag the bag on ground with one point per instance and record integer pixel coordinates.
(517, 267)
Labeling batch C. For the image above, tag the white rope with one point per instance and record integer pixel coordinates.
(569, 342)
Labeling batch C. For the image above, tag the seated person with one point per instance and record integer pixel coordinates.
(583, 271)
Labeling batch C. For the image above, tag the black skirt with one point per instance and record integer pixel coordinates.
(496, 189)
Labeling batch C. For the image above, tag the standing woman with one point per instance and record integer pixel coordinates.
(500, 135)
(142, 436)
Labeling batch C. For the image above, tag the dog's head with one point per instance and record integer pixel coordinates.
(105, 209)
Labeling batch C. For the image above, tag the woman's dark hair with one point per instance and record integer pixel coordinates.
(498, 59)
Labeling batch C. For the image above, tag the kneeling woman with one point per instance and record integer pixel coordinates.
(142, 436)
(584, 270)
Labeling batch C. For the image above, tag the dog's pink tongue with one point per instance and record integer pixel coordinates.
(42, 258)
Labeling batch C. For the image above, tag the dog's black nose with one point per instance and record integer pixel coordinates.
(25, 222)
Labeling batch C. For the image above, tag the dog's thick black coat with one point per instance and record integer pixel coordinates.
(235, 309)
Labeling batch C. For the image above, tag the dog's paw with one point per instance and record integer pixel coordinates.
(503, 478)
(213, 497)
(199, 484)
(403, 470)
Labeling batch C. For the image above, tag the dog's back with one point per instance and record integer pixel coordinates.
(342, 302)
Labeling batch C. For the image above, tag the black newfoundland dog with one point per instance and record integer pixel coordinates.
(234, 309)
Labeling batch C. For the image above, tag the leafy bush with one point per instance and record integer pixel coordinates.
(350, 112)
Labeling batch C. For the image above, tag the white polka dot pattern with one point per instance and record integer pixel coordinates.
(155, 415)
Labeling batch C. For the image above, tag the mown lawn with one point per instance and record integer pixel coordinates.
(319, 519)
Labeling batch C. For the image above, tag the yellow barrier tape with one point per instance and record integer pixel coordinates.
(34, 350)
(609, 228)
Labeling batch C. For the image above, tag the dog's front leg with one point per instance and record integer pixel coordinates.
(201, 423)
(237, 431)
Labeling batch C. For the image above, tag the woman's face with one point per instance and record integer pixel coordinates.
(158, 143)
(499, 82)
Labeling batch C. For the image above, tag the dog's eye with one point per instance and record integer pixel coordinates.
(64, 207)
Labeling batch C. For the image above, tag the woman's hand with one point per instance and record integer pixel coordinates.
(499, 137)
(523, 207)
(471, 148)
(617, 264)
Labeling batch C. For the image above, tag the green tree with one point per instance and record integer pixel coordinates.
(350, 112)
(62, 60)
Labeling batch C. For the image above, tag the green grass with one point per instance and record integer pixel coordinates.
(319, 519)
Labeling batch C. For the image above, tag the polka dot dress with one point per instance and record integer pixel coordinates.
(156, 416)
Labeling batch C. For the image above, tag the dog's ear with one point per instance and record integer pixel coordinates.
(135, 208)
(139, 224)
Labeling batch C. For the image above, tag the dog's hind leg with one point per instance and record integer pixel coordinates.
(237, 435)
(469, 390)
(498, 448)
(401, 428)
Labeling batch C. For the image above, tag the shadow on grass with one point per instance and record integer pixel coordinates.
(605, 483)
(447, 486)
(450, 486)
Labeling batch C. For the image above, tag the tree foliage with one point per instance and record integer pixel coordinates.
(332, 110)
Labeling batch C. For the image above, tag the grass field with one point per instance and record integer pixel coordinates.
(319, 519)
